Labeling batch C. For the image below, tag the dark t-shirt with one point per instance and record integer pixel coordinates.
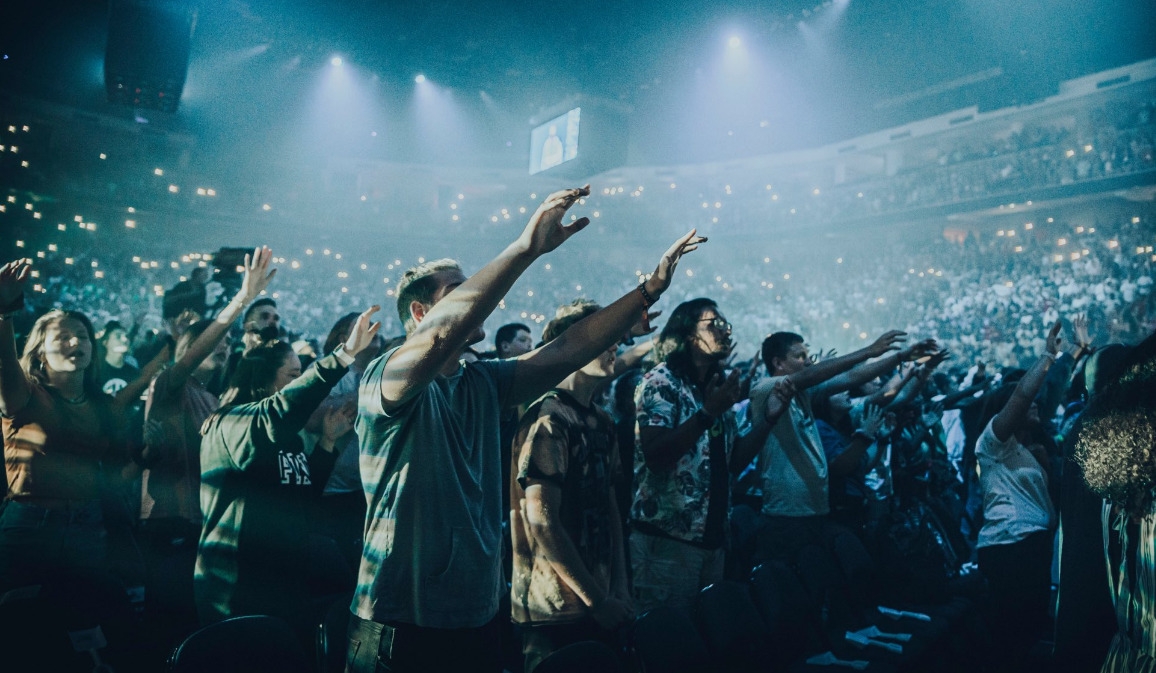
(114, 379)
(432, 475)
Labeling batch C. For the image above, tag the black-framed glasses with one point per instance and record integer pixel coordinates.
(719, 324)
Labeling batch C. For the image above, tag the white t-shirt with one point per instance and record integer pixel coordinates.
(1015, 491)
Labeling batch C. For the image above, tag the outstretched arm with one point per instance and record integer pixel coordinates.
(445, 330)
(827, 369)
(863, 373)
(14, 391)
(541, 369)
(1013, 413)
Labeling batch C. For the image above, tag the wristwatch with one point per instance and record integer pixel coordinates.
(344, 358)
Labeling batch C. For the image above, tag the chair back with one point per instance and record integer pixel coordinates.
(252, 644)
(665, 641)
(730, 623)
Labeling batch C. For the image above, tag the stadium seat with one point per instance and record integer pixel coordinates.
(251, 644)
(735, 634)
(331, 635)
(665, 641)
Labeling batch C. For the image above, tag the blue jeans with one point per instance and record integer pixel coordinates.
(43, 543)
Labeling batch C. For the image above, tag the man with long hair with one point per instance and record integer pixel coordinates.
(688, 446)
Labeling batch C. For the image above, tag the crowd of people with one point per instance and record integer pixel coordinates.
(198, 435)
(463, 503)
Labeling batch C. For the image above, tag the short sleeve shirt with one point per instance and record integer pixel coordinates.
(676, 502)
(573, 447)
(1015, 491)
(793, 462)
(431, 469)
(55, 449)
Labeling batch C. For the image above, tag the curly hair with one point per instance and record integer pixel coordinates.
(1116, 446)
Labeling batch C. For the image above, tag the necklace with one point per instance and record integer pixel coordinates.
(79, 399)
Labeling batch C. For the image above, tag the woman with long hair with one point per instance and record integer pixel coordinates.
(63, 444)
(1015, 542)
(258, 482)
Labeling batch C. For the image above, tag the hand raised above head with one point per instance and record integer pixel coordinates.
(257, 275)
(545, 230)
(1054, 340)
(12, 278)
(363, 332)
(1080, 331)
(890, 341)
(664, 272)
(919, 349)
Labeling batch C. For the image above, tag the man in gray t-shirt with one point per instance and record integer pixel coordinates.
(428, 426)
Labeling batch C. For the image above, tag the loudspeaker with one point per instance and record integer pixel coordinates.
(146, 60)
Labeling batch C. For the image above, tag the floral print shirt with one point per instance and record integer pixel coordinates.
(675, 501)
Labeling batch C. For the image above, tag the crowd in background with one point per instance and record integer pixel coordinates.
(902, 360)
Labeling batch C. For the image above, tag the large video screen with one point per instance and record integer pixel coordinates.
(554, 142)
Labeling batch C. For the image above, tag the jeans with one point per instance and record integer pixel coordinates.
(44, 543)
(406, 648)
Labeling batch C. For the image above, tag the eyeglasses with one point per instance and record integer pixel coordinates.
(719, 324)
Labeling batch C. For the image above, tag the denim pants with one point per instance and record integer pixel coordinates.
(406, 648)
(44, 543)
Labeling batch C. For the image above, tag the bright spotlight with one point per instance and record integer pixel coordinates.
(419, 79)
(735, 42)
(335, 61)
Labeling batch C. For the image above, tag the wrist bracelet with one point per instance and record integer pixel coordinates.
(650, 301)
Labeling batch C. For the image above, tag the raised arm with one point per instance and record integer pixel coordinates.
(541, 369)
(14, 390)
(865, 372)
(825, 370)
(749, 445)
(445, 330)
(1013, 413)
(256, 279)
(295, 403)
(133, 390)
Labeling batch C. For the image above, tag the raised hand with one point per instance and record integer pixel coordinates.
(1080, 331)
(919, 349)
(12, 278)
(936, 359)
(337, 422)
(891, 341)
(363, 332)
(872, 421)
(643, 327)
(780, 398)
(545, 230)
(664, 273)
(721, 393)
(257, 275)
(1054, 340)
